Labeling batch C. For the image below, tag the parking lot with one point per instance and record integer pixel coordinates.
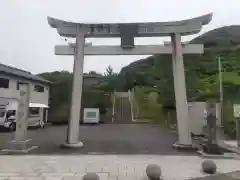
(102, 139)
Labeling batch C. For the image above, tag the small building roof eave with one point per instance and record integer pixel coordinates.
(43, 81)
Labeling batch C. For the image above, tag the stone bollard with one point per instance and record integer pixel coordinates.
(209, 167)
(153, 172)
(91, 176)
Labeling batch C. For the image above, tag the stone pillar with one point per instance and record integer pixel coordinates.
(73, 125)
(211, 122)
(211, 147)
(21, 143)
(22, 114)
(183, 123)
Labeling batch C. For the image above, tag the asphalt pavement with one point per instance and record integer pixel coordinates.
(103, 139)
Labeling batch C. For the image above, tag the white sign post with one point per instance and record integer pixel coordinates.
(236, 110)
(91, 115)
(236, 114)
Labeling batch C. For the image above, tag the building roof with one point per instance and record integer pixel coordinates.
(21, 73)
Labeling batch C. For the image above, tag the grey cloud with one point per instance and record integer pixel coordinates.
(27, 41)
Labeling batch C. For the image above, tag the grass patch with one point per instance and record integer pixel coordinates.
(148, 108)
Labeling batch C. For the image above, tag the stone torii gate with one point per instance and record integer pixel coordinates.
(127, 32)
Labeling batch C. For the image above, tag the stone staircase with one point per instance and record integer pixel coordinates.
(123, 114)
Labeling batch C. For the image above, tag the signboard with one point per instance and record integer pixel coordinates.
(148, 29)
(236, 110)
(91, 115)
(102, 29)
(115, 29)
(22, 113)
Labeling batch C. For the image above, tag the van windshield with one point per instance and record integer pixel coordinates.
(2, 112)
(10, 113)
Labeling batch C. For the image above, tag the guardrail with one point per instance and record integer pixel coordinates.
(131, 104)
(135, 107)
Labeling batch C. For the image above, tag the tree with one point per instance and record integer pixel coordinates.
(109, 71)
(60, 95)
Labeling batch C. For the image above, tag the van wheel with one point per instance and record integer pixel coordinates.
(12, 127)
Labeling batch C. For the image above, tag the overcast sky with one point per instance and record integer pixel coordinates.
(27, 41)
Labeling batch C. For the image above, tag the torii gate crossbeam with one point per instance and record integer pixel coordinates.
(137, 50)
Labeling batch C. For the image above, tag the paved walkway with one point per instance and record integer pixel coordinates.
(231, 143)
(108, 167)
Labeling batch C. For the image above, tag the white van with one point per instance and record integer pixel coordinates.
(8, 109)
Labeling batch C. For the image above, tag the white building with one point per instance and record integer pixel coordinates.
(11, 77)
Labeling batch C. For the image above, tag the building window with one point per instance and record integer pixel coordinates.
(34, 111)
(38, 88)
(4, 83)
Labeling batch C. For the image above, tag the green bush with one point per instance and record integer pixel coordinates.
(90, 99)
(59, 115)
(147, 101)
(230, 129)
(99, 100)
(229, 124)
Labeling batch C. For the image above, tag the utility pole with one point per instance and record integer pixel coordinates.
(220, 86)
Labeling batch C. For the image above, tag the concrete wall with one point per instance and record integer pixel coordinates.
(39, 97)
(12, 92)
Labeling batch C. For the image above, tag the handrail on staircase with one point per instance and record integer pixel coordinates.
(113, 106)
(131, 104)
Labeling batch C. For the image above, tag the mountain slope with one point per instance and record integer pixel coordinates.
(224, 35)
(201, 70)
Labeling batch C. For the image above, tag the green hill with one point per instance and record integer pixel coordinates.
(201, 70)
(227, 35)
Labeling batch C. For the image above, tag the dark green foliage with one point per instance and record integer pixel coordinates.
(226, 35)
(201, 71)
(94, 96)
(60, 94)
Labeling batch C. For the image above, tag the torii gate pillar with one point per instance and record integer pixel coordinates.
(76, 99)
(183, 122)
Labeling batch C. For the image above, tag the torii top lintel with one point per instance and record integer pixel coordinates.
(184, 27)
